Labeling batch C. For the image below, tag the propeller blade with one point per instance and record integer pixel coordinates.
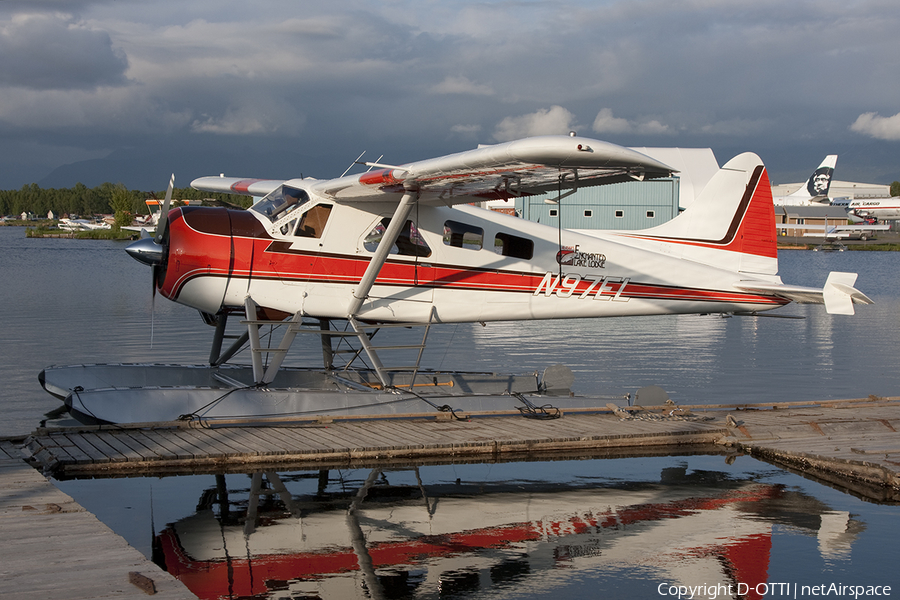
(153, 272)
(164, 212)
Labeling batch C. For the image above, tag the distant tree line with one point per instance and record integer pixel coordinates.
(107, 198)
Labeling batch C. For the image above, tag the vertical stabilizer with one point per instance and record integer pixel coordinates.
(731, 224)
(817, 186)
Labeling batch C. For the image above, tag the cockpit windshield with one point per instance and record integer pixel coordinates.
(280, 202)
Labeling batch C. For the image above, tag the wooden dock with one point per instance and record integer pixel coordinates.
(854, 444)
(51, 547)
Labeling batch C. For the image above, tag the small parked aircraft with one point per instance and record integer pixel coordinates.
(82, 225)
(149, 221)
(402, 245)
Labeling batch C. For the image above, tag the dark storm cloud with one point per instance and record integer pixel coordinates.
(324, 81)
(51, 51)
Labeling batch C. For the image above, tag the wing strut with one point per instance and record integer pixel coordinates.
(394, 228)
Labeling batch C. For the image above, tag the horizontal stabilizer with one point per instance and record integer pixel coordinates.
(838, 295)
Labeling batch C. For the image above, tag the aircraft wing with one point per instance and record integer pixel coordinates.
(522, 167)
(838, 295)
(831, 228)
(237, 185)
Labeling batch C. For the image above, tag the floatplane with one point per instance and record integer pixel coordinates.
(82, 225)
(149, 221)
(402, 246)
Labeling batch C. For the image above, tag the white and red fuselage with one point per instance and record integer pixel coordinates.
(468, 264)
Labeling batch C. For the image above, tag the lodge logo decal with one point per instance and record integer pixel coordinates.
(573, 257)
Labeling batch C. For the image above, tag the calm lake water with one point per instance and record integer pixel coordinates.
(580, 528)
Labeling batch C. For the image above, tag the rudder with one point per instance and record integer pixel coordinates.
(730, 225)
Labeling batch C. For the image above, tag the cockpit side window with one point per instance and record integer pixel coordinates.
(409, 243)
(280, 202)
(312, 223)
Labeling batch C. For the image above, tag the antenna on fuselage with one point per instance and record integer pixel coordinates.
(355, 162)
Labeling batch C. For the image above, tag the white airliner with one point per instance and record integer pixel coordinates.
(879, 208)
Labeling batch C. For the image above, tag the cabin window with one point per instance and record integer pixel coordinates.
(589, 213)
(312, 223)
(620, 214)
(279, 203)
(512, 245)
(463, 235)
(409, 242)
(651, 214)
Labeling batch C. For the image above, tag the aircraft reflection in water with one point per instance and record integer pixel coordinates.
(371, 539)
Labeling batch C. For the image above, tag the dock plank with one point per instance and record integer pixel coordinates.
(324, 439)
(88, 449)
(119, 442)
(206, 440)
(205, 445)
(258, 437)
(410, 438)
(234, 438)
(292, 438)
(353, 439)
(102, 446)
(154, 449)
(313, 441)
(71, 449)
(172, 444)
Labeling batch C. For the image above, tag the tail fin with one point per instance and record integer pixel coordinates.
(818, 184)
(731, 224)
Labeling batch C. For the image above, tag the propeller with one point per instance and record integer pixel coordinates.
(164, 212)
(151, 250)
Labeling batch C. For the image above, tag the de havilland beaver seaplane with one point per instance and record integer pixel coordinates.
(399, 246)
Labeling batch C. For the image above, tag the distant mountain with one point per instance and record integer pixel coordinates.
(149, 171)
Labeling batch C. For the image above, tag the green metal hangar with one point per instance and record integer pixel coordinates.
(631, 205)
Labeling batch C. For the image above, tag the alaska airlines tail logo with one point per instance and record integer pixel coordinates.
(820, 181)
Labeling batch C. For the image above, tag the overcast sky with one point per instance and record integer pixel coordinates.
(284, 88)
